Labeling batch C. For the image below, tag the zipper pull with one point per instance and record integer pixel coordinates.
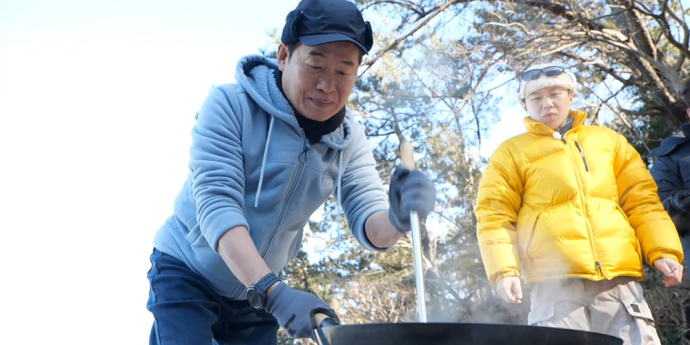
(582, 154)
(305, 150)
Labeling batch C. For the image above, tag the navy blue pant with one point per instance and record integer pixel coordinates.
(187, 310)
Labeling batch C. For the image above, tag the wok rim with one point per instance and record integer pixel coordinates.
(325, 330)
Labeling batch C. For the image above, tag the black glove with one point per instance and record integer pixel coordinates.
(409, 191)
(295, 310)
(681, 201)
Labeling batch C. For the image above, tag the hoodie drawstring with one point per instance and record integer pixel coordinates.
(263, 163)
(338, 196)
(339, 186)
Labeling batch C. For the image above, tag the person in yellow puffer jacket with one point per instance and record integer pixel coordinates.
(572, 210)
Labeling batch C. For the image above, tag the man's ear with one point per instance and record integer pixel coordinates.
(687, 111)
(524, 105)
(282, 56)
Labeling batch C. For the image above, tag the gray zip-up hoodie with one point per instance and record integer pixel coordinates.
(251, 165)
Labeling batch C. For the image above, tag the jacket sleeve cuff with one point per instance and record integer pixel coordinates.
(661, 255)
(495, 278)
(359, 231)
(216, 226)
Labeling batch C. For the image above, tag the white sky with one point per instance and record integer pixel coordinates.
(97, 100)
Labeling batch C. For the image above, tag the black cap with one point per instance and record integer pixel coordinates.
(316, 22)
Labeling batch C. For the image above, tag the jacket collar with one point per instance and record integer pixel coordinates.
(538, 128)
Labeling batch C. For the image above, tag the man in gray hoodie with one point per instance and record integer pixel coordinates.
(266, 152)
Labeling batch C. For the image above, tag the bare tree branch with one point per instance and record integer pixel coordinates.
(666, 31)
(416, 8)
(640, 35)
(411, 32)
(644, 59)
(624, 118)
(600, 66)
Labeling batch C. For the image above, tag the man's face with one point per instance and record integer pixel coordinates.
(317, 80)
(549, 105)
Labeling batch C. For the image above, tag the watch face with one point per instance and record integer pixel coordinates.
(254, 298)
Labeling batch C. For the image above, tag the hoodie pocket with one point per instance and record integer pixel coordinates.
(194, 235)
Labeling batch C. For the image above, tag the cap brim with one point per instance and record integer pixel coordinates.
(315, 40)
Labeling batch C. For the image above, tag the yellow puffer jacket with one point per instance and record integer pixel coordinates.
(581, 206)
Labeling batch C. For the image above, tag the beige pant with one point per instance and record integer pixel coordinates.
(616, 307)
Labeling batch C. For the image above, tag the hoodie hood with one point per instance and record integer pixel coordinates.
(256, 74)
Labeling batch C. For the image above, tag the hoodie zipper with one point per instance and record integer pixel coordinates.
(584, 204)
(291, 189)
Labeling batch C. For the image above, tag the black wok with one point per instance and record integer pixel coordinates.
(331, 333)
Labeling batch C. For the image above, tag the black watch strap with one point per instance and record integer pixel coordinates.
(264, 283)
(256, 293)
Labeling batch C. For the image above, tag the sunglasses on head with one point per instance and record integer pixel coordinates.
(550, 71)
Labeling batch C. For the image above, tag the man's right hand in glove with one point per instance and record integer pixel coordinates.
(409, 191)
(295, 309)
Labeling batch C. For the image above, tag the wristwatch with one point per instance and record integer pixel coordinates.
(256, 293)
